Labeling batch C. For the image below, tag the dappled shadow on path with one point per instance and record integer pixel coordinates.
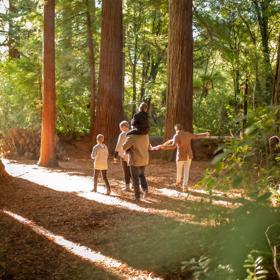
(162, 201)
(165, 202)
(153, 235)
(142, 240)
(26, 255)
(114, 266)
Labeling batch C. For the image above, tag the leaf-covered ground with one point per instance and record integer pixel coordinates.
(110, 237)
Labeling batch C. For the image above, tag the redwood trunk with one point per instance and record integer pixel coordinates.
(12, 38)
(47, 152)
(276, 89)
(245, 105)
(262, 11)
(91, 62)
(109, 101)
(180, 84)
(3, 174)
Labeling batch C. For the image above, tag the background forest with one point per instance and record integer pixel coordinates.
(235, 48)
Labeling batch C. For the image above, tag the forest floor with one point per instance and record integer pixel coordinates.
(53, 227)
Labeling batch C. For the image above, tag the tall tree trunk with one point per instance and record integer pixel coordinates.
(134, 68)
(12, 42)
(47, 152)
(245, 104)
(180, 83)
(276, 88)
(67, 22)
(109, 101)
(91, 61)
(236, 85)
(257, 87)
(205, 79)
(133, 53)
(262, 11)
(144, 74)
(4, 176)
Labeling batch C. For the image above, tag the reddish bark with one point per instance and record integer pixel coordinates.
(12, 40)
(276, 89)
(4, 176)
(180, 84)
(91, 61)
(109, 100)
(47, 152)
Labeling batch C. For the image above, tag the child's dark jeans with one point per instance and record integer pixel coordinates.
(104, 176)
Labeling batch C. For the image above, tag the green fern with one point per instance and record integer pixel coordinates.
(255, 267)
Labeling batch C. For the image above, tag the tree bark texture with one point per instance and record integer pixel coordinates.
(276, 89)
(109, 110)
(4, 176)
(236, 86)
(12, 38)
(262, 11)
(91, 61)
(134, 62)
(47, 151)
(245, 104)
(180, 70)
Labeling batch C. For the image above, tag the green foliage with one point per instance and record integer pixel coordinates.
(249, 163)
(21, 79)
(204, 268)
(215, 107)
(254, 267)
(146, 58)
(20, 98)
(199, 268)
(227, 50)
(239, 248)
(246, 162)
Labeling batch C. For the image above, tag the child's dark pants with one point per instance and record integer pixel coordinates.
(104, 176)
(126, 171)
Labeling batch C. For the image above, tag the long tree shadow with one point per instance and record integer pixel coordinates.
(223, 197)
(26, 255)
(200, 209)
(142, 240)
(63, 181)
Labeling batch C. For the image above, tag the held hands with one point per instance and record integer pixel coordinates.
(156, 148)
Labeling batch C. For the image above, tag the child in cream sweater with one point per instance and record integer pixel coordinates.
(100, 156)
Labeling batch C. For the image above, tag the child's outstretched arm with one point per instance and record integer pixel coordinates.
(168, 142)
(172, 146)
(200, 135)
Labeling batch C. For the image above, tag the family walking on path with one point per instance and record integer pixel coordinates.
(133, 148)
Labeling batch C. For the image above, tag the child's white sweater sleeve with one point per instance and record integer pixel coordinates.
(94, 152)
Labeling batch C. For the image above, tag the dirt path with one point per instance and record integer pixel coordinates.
(54, 227)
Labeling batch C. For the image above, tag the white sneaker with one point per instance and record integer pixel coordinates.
(145, 194)
(126, 188)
